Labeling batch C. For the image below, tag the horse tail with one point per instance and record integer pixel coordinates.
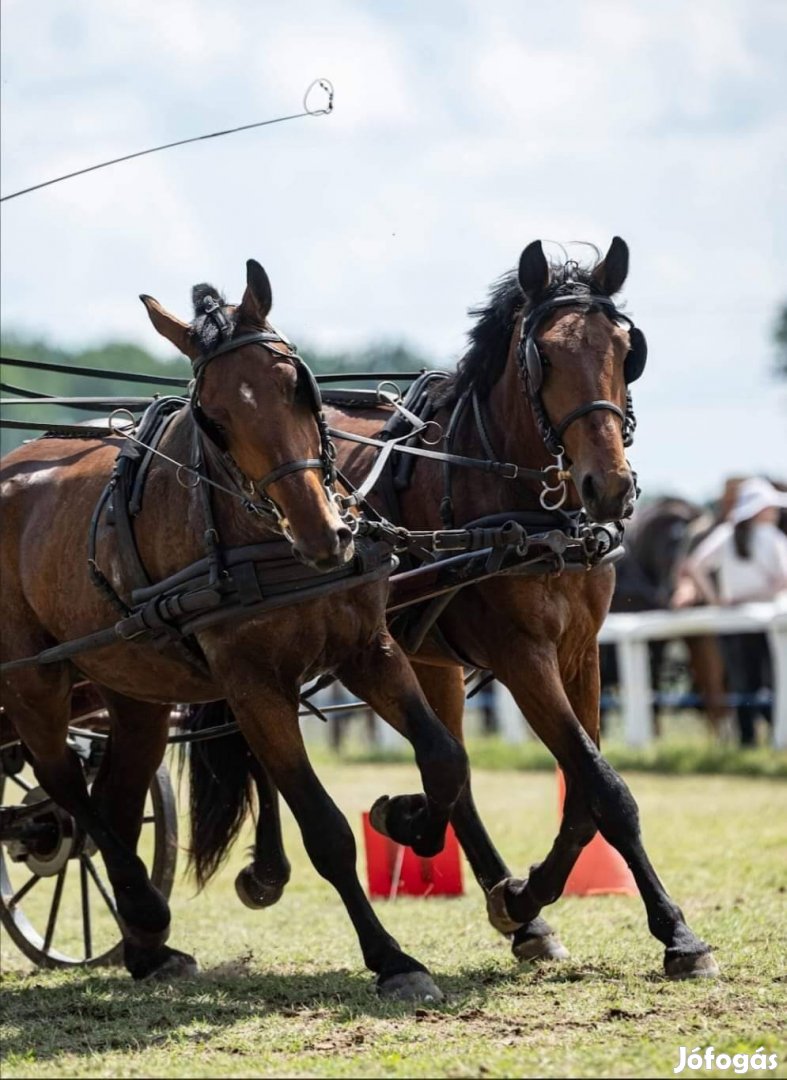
(220, 787)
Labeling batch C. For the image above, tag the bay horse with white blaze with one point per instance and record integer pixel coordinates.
(545, 380)
(248, 469)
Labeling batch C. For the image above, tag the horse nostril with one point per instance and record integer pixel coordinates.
(588, 489)
(343, 538)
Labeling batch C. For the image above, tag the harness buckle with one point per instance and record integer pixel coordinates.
(449, 540)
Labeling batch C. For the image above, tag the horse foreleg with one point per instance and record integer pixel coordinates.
(382, 676)
(597, 798)
(445, 692)
(276, 740)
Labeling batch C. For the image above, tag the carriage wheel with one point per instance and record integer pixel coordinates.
(56, 903)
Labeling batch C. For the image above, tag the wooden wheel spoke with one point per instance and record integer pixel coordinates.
(87, 931)
(91, 869)
(51, 922)
(20, 782)
(28, 885)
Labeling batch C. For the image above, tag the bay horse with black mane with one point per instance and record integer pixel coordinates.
(545, 381)
(234, 503)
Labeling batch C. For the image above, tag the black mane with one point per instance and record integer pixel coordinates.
(490, 337)
(203, 329)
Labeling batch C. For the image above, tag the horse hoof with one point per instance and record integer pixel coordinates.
(405, 820)
(175, 965)
(496, 910)
(693, 966)
(377, 815)
(257, 894)
(410, 986)
(546, 947)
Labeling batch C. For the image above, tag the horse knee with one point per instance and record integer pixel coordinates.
(445, 768)
(612, 806)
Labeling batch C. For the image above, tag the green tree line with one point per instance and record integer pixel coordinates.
(124, 357)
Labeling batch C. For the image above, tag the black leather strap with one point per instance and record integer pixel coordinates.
(262, 337)
(285, 470)
(591, 406)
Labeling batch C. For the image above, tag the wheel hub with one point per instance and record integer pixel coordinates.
(55, 837)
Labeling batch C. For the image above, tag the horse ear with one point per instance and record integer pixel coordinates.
(533, 271)
(170, 327)
(610, 274)
(258, 297)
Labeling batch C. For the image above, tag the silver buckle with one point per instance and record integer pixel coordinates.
(449, 540)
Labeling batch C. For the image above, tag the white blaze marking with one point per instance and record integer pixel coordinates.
(247, 394)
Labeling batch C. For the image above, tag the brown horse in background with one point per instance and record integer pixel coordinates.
(538, 635)
(254, 413)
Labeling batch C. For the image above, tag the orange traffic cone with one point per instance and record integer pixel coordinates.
(600, 868)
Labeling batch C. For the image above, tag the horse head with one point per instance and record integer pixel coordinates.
(259, 406)
(577, 355)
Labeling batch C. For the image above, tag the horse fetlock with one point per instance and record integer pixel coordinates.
(257, 891)
(497, 908)
(513, 901)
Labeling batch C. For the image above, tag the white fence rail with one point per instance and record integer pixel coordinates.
(632, 632)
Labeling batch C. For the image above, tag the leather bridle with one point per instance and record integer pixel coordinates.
(532, 363)
(266, 505)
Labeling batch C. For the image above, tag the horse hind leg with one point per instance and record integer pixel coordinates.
(135, 750)
(39, 707)
(262, 883)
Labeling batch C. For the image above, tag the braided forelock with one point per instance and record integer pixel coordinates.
(204, 329)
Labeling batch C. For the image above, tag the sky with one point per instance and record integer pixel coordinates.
(462, 130)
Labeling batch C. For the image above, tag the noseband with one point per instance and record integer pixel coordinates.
(532, 364)
(266, 507)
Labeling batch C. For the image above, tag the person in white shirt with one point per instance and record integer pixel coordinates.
(744, 560)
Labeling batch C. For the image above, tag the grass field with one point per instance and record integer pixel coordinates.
(283, 992)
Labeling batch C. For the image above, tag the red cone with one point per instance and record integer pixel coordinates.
(393, 870)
